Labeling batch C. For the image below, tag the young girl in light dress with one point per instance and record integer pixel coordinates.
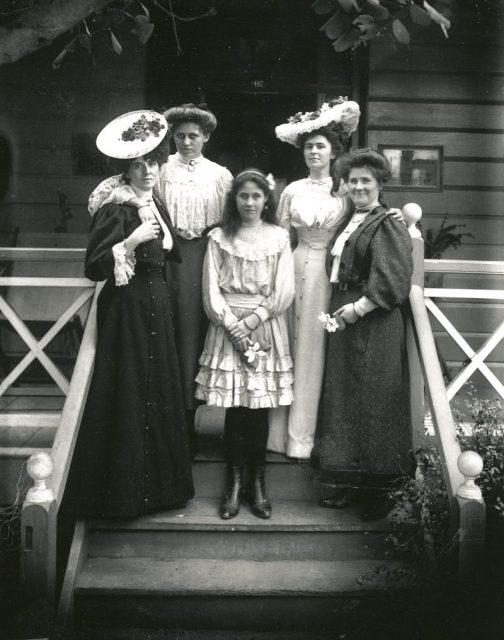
(246, 366)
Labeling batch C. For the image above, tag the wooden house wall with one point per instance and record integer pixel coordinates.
(42, 110)
(450, 96)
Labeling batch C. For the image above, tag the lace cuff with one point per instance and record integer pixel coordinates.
(364, 305)
(124, 265)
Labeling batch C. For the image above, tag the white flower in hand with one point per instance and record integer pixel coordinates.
(329, 322)
(254, 352)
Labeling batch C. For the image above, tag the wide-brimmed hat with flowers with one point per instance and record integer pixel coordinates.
(340, 113)
(133, 134)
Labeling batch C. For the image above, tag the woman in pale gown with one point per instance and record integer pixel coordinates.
(312, 210)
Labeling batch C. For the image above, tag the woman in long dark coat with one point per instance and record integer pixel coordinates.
(132, 454)
(363, 431)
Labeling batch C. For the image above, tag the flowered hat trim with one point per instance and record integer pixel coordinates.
(340, 113)
(133, 134)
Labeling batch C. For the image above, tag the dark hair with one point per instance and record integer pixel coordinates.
(159, 155)
(366, 158)
(337, 139)
(231, 219)
(192, 113)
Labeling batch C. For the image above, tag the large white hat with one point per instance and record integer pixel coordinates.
(339, 113)
(133, 134)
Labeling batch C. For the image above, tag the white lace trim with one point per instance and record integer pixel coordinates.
(124, 265)
(272, 242)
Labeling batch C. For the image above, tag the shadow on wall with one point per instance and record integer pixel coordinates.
(5, 166)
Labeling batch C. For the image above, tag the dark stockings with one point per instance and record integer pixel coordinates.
(245, 437)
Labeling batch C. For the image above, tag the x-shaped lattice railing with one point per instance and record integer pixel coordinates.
(476, 359)
(36, 346)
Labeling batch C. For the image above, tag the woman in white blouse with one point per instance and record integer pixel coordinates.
(193, 190)
(313, 209)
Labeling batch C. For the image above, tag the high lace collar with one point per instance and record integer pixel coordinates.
(190, 164)
(322, 181)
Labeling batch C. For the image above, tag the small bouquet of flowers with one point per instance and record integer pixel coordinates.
(331, 323)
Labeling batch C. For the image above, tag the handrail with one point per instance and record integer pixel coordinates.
(459, 469)
(484, 267)
(66, 436)
(449, 447)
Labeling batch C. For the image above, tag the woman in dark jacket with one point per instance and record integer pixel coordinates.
(363, 429)
(132, 453)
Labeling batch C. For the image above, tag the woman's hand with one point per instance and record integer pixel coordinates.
(146, 213)
(144, 210)
(347, 313)
(397, 214)
(148, 230)
(239, 331)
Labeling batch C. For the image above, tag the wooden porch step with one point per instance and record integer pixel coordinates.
(210, 577)
(231, 594)
(297, 529)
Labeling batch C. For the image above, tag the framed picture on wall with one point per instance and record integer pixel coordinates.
(414, 168)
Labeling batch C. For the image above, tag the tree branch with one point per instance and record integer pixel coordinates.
(39, 26)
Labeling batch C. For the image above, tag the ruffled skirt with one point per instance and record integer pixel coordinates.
(225, 379)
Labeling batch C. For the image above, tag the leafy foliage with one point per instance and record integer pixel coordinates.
(421, 512)
(435, 243)
(355, 22)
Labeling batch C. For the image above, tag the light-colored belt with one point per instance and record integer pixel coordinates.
(243, 300)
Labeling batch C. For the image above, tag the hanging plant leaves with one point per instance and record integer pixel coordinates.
(400, 32)
(84, 41)
(347, 5)
(56, 63)
(419, 16)
(350, 39)
(367, 26)
(337, 25)
(143, 28)
(145, 10)
(375, 9)
(321, 7)
(116, 45)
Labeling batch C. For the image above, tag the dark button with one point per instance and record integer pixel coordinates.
(341, 264)
(347, 243)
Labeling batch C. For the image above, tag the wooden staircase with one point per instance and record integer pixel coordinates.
(308, 568)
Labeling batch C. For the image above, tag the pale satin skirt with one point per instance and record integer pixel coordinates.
(292, 429)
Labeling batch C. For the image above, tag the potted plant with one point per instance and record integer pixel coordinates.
(436, 242)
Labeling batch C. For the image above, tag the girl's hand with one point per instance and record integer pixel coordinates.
(397, 214)
(240, 345)
(239, 331)
(347, 313)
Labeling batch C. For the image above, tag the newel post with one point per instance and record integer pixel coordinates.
(412, 213)
(38, 531)
(469, 519)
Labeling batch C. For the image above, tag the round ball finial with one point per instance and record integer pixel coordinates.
(39, 467)
(470, 465)
(412, 213)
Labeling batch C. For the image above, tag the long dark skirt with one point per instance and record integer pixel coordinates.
(191, 318)
(363, 435)
(132, 454)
